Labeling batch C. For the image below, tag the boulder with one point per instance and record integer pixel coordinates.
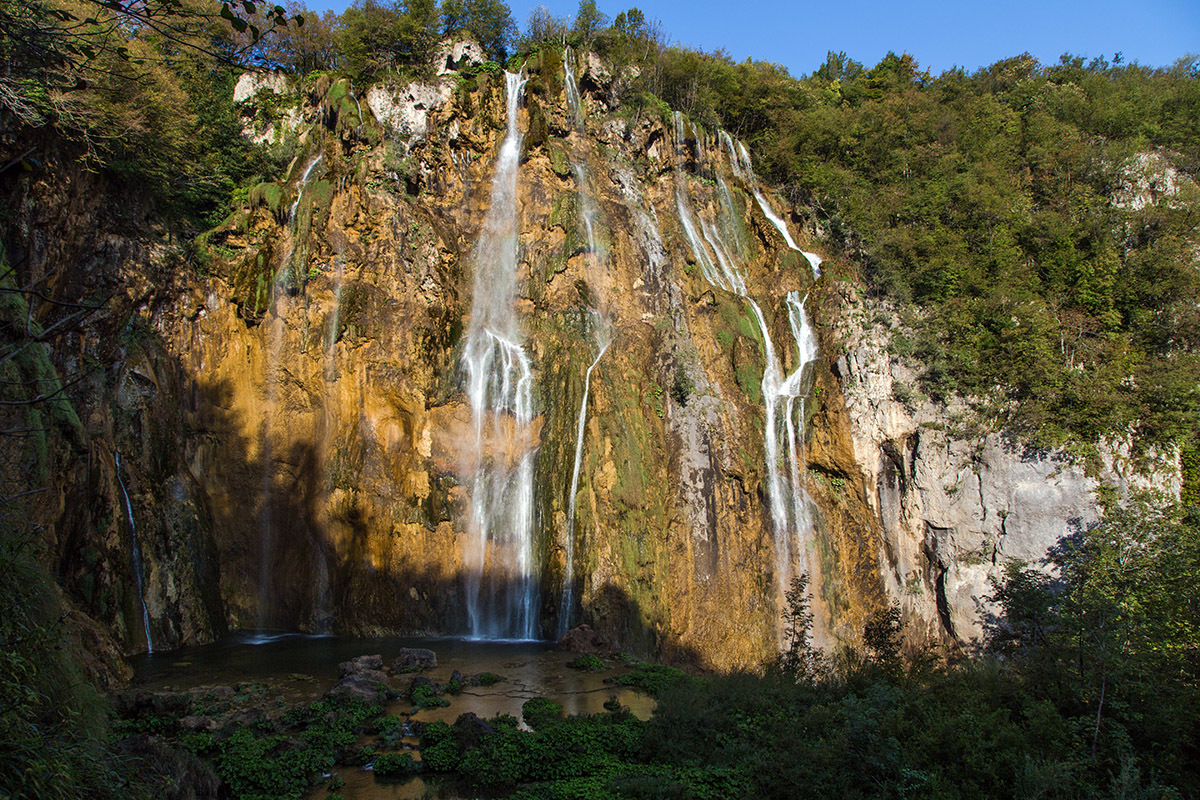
(470, 730)
(360, 664)
(583, 639)
(363, 679)
(453, 55)
(413, 659)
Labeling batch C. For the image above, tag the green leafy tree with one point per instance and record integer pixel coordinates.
(489, 21)
(588, 22)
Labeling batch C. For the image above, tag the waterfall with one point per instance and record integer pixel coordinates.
(795, 388)
(739, 161)
(501, 590)
(572, 87)
(786, 488)
(604, 339)
(587, 217)
(300, 188)
(136, 555)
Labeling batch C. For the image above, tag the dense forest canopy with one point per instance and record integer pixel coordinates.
(1004, 212)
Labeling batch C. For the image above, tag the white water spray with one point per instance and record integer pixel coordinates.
(573, 100)
(300, 188)
(136, 554)
(501, 588)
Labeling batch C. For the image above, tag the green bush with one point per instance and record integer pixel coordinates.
(395, 765)
(653, 679)
(540, 713)
(588, 663)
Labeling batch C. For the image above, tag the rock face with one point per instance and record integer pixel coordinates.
(956, 508)
(291, 412)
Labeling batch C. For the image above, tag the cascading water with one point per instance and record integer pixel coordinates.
(603, 335)
(300, 188)
(572, 87)
(787, 491)
(796, 388)
(500, 584)
(136, 555)
(603, 339)
(739, 161)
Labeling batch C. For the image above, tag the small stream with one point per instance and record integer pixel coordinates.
(303, 668)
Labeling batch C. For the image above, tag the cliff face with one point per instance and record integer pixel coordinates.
(299, 447)
(956, 506)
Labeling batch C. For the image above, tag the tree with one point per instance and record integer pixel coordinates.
(881, 636)
(589, 21)
(543, 26)
(489, 21)
(799, 658)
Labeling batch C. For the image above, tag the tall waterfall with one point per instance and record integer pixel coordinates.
(136, 556)
(501, 582)
(786, 486)
(795, 388)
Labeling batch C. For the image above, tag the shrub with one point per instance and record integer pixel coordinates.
(588, 663)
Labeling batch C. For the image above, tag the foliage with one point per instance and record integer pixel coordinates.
(1002, 207)
(654, 679)
(53, 725)
(489, 678)
(1089, 689)
(374, 38)
(53, 731)
(588, 663)
(541, 713)
(798, 659)
(396, 765)
(489, 21)
(424, 695)
(1114, 640)
(261, 760)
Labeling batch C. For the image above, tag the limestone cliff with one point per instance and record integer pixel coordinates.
(288, 395)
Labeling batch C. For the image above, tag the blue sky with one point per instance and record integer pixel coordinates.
(940, 34)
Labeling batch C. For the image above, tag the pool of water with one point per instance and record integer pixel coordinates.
(303, 668)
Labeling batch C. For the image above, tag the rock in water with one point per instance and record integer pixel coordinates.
(363, 679)
(582, 639)
(413, 659)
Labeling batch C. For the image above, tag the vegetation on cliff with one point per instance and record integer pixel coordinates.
(1038, 222)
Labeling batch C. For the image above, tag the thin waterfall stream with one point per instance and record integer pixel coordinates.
(739, 161)
(787, 490)
(604, 337)
(135, 555)
(500, 580)
(602, 332)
